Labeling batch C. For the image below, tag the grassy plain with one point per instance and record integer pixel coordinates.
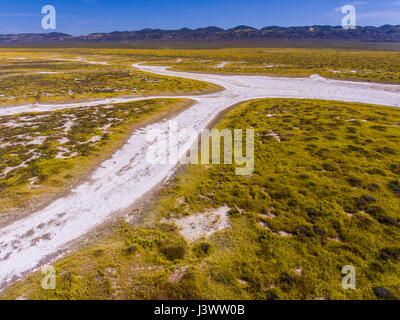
(364, 65)
(52, 77)
(324, 194)
(329, 63)
(345, 64)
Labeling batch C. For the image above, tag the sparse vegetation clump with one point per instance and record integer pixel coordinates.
(320, 198)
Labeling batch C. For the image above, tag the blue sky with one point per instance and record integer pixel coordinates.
(87, 16)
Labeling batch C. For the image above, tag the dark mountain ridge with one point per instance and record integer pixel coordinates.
(385, 33)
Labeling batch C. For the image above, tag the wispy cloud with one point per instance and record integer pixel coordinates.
(355, 4)
(382, 14)
(19, 15)
(368, 11)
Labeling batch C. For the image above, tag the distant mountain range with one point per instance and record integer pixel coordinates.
(386, 33)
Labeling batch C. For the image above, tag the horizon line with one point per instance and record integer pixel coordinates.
(196, 29)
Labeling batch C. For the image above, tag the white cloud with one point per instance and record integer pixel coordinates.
(18, 15)
(386, 14)
(355, 4)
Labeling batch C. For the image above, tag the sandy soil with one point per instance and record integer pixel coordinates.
(203, 224)
(27, 243)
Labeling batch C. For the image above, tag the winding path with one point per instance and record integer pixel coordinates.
(43, 236)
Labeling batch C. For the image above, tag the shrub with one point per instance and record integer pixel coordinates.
(132, 249)
(390, 253)
(394, 186)
(319, 230)
(371, 187)
(174, 247)
(376, 171)
(271, 294)
(292, 203)
(98, 252)
(364, 200)
(286, 281)
(203, 249)
(395, 168)
(374, 211)
(328, 167)
(389, 221)
(383, 293)
(351, 129)
(378, 128)
(234, 212)
(354, 182)
(376, 267)
(303, 231)
(312, 213)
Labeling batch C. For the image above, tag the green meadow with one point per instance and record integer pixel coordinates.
(324, 194)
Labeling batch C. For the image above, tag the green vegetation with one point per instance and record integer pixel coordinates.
(377, 66)
(334, 64)
(324, 194)
(53, 75)
(41, 154)
(105, 84)
(43, 65)
(41, 78)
